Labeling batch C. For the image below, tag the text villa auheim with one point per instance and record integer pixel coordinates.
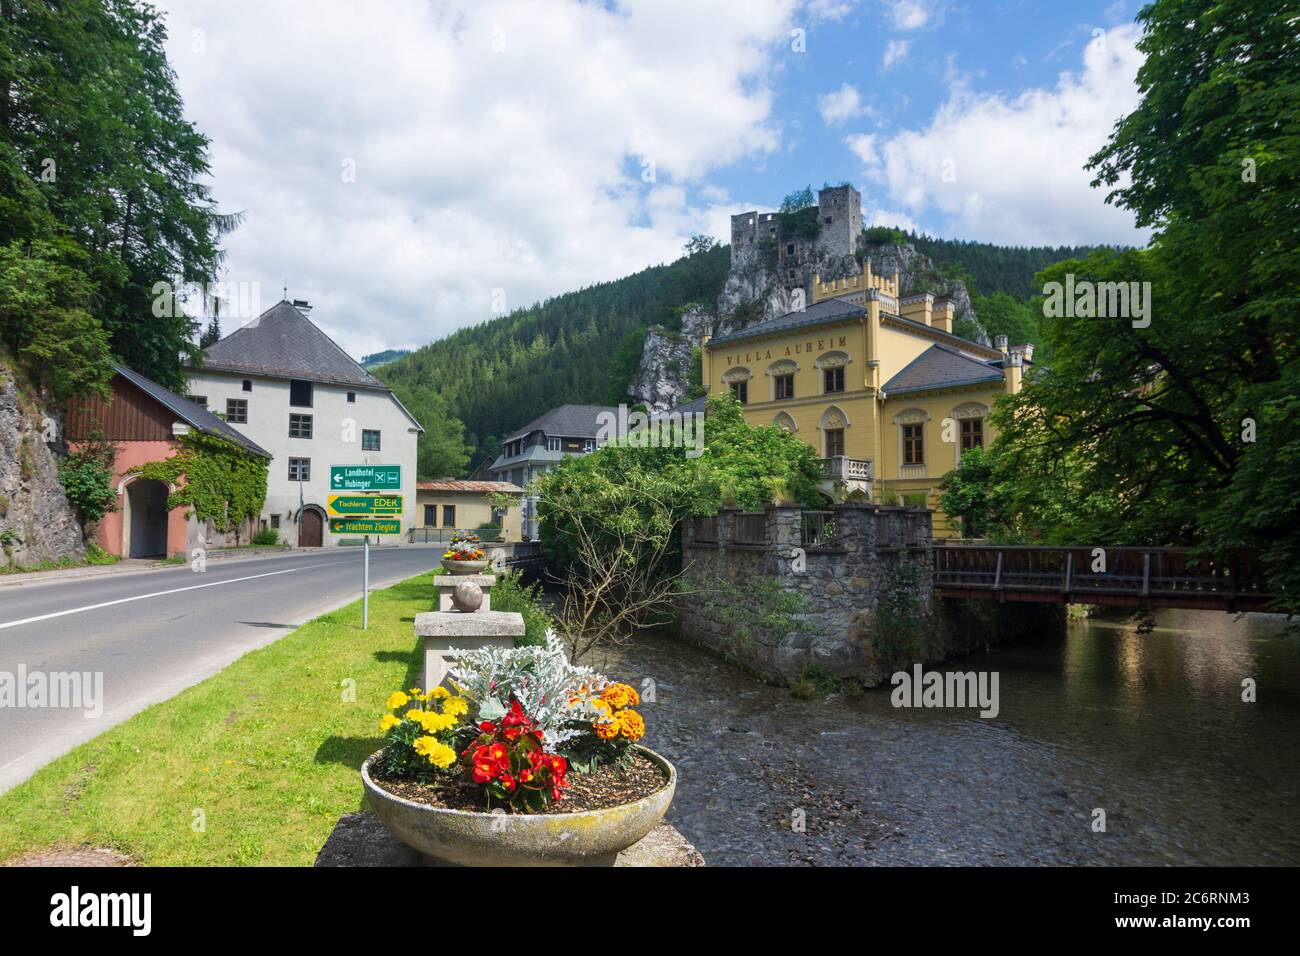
(799, 348)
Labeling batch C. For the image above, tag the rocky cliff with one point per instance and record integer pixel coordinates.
(37, 523)
(761, 285)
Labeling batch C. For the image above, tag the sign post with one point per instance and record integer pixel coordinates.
(360, 513)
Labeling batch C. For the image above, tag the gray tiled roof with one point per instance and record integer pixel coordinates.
(284, 343)
(940, 366)
(828, 310)
(568, 421)
(192, 413)
(690, 408)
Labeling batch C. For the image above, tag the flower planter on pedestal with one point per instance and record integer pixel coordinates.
(464, 567)
(468, 838)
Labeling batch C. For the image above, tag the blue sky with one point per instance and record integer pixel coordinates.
(416, 166)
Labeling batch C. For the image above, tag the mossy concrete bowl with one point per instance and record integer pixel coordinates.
(470, 838)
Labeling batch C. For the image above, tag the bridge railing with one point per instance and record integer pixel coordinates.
(1149, 573)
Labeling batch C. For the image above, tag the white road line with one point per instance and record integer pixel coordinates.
(141, 597)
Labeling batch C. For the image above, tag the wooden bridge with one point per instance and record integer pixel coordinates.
(1136, 577)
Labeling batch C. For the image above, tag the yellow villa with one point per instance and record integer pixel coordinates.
(879, 385)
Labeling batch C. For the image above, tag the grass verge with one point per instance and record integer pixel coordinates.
(266, 754)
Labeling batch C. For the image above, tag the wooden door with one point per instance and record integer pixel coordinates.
(310, 529)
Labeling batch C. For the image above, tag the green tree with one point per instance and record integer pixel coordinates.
(91, 117)
(1166, 431)
(441, 451)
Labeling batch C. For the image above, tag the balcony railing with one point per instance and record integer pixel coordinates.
(841, 468)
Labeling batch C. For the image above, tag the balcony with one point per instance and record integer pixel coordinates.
(845, 469)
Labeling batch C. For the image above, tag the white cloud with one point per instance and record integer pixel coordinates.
(895, 52)
(841, 105)
(498, 144)
(911, 14)
(1010, 170)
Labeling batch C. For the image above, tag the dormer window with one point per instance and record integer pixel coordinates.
(300, 393)
(552, 444)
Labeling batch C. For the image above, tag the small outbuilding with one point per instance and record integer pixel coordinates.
(445, 505)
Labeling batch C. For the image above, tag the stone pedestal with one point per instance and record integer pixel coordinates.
(446, 583)
(443, 630)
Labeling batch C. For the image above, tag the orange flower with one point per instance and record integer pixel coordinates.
(620, 695)
(631, 724)
(607, 730)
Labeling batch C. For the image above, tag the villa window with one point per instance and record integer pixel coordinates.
(834, 442)
(449, 516)
(352, 398)
(552, 444)
(248, 385)
(299, 426)
(589, 444)
(741, 391)
(275, 521)
(833, 378)
(300, 469)
(237, 410)
(784, 386)
(200, 400)
(913, 445)
(972, 433)
(370, 439)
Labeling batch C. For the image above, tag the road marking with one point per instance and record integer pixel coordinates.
(141, 597)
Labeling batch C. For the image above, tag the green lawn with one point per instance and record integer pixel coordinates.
(269, 749)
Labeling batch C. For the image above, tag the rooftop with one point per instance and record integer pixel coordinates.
(472, 487)
(569, 421)
(828, 310)
(940, 366)
(193, 414)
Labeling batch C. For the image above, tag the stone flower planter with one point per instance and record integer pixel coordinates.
(466, 838)
(464, 567)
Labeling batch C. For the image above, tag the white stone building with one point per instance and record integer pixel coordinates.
(286, 385)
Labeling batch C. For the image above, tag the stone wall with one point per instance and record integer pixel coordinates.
(791, 600)
(37, 523)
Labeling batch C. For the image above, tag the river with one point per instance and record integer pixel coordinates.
(1150, 728)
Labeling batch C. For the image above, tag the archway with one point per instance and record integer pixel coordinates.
(144, 526)
(311, 527)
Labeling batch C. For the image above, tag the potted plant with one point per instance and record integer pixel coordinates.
(463, 555)
(528, 761)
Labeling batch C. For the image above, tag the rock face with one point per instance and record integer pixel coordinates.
(37, 522)
(773, 260)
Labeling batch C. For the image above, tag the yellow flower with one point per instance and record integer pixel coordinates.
(415, 691)
(432, 721)
(387, 723)
(441, 693)
(397, 699)
(631, 725)
(456, 706)
(438, 753)
(600, 705)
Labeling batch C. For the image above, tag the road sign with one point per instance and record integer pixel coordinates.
(365, 526)
(365, 505)
(365, 477)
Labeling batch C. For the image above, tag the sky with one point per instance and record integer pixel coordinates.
(411, 168)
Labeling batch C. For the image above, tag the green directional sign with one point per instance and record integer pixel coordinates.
(365, 477)
(365, 505)
(365, 526)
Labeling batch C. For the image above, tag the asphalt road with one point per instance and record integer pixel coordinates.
(152, 634)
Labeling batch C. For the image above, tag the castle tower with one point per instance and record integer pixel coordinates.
(840, 210)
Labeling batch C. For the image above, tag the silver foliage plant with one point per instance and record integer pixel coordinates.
(540, 678)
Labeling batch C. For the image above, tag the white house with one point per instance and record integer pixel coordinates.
(286, 385)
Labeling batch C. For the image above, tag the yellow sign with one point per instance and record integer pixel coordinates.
(343, 505)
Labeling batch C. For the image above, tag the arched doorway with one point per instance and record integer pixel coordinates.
(144, 528)
(311, 528)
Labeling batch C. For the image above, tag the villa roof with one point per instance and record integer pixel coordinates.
(567, 421)
(283, 343)
(940, 366)
(828, 310)
(192, 413)
(472, 487)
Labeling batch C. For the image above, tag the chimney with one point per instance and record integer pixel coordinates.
(918, 308)
(302, 305)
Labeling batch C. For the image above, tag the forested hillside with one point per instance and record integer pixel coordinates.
(986, 268)
(499, 374)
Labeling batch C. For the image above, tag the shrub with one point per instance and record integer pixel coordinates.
(87, 478)
(511, 594)
(266, 537)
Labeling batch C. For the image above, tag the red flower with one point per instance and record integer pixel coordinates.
(559, 766)
(507, 781)
(488, 727)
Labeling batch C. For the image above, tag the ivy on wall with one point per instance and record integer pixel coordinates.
(223, 482)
